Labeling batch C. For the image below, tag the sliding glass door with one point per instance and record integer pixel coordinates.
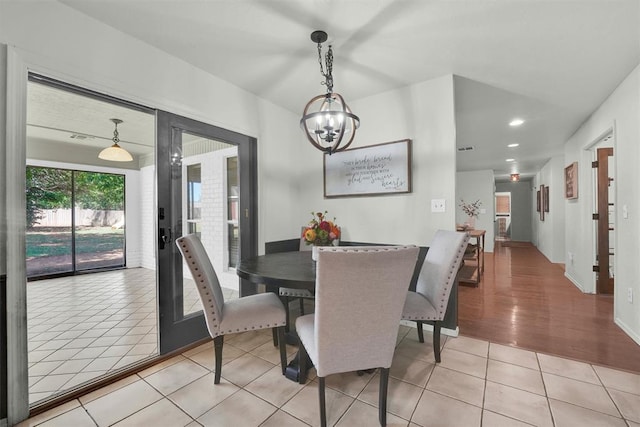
(75, 221)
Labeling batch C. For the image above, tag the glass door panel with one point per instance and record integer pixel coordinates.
(99, 220)
(49, 237)
(205, 208)
(233, 230)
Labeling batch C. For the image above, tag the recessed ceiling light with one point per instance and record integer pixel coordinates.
(516, 122)
(510, 160)
(512, 145)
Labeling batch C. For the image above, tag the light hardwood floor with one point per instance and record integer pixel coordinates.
(525, 301)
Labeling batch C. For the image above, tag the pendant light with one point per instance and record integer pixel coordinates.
(328, 122)
(115, 153)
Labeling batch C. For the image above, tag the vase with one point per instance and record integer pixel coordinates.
(470, 224)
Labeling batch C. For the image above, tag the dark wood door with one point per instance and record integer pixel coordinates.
(182, 325)
(605, 226)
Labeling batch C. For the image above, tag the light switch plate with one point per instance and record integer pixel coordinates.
(438, 205)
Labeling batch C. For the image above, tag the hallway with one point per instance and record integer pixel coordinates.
(525, 301)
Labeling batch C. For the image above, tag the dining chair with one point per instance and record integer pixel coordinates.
(248, 313)
(360, 291)
(428, 304)
(300, 294)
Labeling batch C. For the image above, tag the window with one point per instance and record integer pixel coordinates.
(194, 199)
(233, 206)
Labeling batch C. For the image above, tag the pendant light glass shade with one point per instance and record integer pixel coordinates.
(115, 153)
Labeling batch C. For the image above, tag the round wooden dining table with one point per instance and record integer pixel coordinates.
(281, 269)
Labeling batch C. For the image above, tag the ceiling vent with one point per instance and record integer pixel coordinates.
(469, 148)
(80, 136)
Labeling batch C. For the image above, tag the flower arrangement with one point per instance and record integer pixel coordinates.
(320, 232)
(471, 209)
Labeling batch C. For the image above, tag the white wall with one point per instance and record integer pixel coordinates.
(550, 232)
(422, 112)
(289, 173)
(478, 185)
(620, 112)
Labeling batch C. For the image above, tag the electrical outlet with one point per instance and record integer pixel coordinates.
(437, 205)
(570, 254)
(630, 295)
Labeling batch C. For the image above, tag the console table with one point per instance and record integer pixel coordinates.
(473, 267)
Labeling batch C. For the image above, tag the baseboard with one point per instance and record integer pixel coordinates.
(429, 328)
(627, 330)
(575, 282)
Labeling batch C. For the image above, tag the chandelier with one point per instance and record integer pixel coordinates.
(327, 120)
(115, 153)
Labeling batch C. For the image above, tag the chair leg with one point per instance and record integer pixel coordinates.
(420, 331)
(436, 340)
(323, 409)
(382, 397)
(217, 346)
(274, 332)
(283, 347)
(302, 363)
(301, 306)
(285, 302)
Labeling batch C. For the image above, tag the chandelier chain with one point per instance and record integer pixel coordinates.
(116, 139)
(328, 65)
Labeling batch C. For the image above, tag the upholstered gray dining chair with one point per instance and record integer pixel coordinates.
(253, 312)
(428, 304)
(360, 291)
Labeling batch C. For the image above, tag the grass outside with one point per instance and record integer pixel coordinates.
(57, 241)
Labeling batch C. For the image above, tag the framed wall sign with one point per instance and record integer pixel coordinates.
(541, 199)
(571, 181)
(546, 198)
(368, 171)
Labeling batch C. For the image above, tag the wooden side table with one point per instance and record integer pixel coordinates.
(473, 267)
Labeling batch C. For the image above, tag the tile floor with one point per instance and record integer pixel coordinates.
(477, 384)
(82, 327)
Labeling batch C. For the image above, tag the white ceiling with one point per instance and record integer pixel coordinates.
(61, 116)
(550, 62)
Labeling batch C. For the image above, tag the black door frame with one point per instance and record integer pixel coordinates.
(175, 330)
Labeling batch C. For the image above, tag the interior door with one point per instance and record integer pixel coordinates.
(193, 181)
(604, 218)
